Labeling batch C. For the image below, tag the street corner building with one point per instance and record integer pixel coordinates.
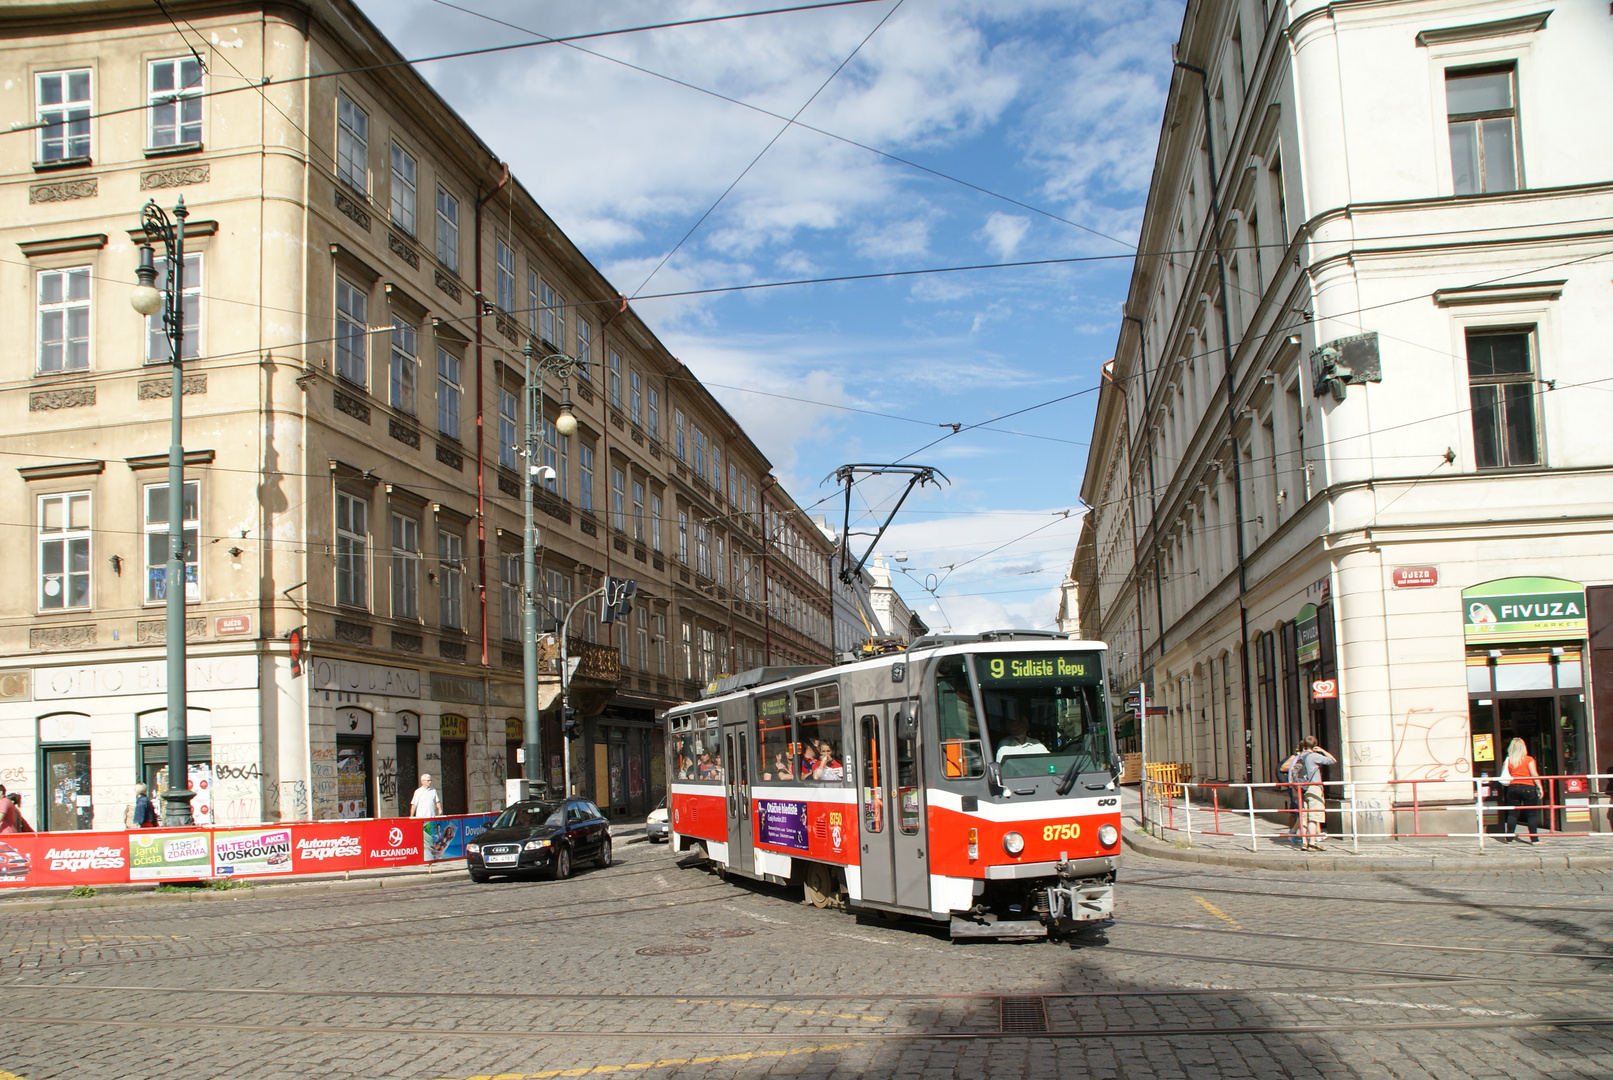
(1350, 468)
(361, 278)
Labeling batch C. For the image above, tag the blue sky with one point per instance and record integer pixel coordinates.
(1055, 105)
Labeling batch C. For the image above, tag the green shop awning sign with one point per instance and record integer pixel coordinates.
(1310, 635)
(1523, 609)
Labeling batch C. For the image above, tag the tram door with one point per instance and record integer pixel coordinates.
(736, 786)
(890, 798)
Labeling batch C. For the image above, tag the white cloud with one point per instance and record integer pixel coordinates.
(1003, 232)
(900, 238)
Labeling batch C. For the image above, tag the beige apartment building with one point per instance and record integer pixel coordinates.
(361, 277)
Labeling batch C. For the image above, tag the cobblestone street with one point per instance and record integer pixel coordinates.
(649, 969)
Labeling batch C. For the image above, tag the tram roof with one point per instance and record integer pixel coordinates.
(925, 647)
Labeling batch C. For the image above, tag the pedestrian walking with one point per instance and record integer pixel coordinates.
(1522, 792)
(10, 816)
(426, 802)
(1304, 770)
(145, 813)
(15, 799)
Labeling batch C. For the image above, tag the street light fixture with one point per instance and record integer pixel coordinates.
(148, 301)
(560, 366)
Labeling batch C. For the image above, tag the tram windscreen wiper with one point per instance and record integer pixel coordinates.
(1068, 780)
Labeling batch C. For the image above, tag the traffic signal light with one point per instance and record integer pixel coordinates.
(570, 724)
(298, 640)
(616, 602)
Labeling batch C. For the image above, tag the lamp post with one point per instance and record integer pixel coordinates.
(148, 301)
(561, 366)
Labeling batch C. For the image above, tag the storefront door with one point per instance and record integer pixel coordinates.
(66, 793)
(354, 764)
(453, 730)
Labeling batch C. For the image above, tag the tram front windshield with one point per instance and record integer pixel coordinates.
(1045, 713)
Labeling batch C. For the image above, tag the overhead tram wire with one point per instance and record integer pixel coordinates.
(465, 53)
(760, 153)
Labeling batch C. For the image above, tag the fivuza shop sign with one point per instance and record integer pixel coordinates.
(1523, 609)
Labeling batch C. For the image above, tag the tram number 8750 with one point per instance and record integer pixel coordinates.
(1068, 831)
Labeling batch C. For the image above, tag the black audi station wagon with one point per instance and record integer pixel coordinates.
(540, 835)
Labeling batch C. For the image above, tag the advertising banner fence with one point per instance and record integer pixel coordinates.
(196, 854)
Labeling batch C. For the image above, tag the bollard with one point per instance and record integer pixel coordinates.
(1478, 811)
(1249, 794)
(1355, 834)
(1187, 809)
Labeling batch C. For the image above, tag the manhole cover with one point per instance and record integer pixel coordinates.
(733, 931)
(1022, 1014)
(673, 950)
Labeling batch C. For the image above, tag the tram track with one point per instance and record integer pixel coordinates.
(1398, 902)
(1299, 938)
(1425, 977)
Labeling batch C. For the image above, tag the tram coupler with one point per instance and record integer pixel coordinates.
(1091, 900)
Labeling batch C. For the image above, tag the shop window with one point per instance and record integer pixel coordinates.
(1501, 381)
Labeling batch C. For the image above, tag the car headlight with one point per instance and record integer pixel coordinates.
(536, 845)
(474, 849)
(1108, 836)
(1013, 843)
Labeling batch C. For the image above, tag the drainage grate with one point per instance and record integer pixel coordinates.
(1022, 1014)
(710, 934)
(673, 950)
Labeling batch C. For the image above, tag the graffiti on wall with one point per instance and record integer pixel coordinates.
(1432, 746)
(387, 779)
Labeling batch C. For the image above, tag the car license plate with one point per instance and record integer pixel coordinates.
(501, 859)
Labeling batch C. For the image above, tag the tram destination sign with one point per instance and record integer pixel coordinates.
(1033, 669)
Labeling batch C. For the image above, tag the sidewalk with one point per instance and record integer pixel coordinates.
(57, 898)
(1228, 843)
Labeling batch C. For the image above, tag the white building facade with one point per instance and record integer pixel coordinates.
(1347, 473)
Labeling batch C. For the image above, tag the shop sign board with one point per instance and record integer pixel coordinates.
(453, 726)
(1483, 747)
(1324, 689)
(1310, 635)
(352, 678)
(1523, 609)
(514, 729)
(252, 851)
(232, 624)
(1414, 577)
(16, 684)
(164, 856)
(457, 689)
(143, 677)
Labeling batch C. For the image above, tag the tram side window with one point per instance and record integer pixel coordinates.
(773, 736)
(961, 754)
(907, 778)
(817, 726)
(872, 780)
(708, 753)
(683, 755)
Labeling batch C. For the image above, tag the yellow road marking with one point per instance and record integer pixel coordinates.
(1218, 913)
(639, 1066)
(9, 1076)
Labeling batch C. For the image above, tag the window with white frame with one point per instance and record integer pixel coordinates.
(405, 567)
(62, 110)
(352, 550)
(451, 578)
(585, 476)
(660, 644)
(719, 565)
(683, 537)
(556, 449)
(548, 308)
(64, 551)
(677, 445)
(653, 413)
(159, 347)
(352, 313)
(716, 466)
(64, 319)
(655, 523)
(448, 230)
(405, 368)
(641, 626)
(638, 512)
(699, 452)
(352, 144)
(688, 651)
(504, 275)
(510, 594)
(174, 92)
(1482, 116)
(449, 394)
(506, 429)
(614, 383)
(618, 500)
(557, 596)
(590, 625)
(635, 397)
(733, 484)
(1502, 388)
(156, 529)
(703, 550)
(532, 304)
(404, 192)
(585, 351)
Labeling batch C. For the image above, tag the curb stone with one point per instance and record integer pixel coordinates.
(1361, 864)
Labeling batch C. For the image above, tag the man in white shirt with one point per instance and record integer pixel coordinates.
(426, 802)
(1018, 741)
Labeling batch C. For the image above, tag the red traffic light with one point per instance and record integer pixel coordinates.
(298, 640)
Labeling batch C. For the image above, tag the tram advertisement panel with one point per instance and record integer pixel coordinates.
(783, 823)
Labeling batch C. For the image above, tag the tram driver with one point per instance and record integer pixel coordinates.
(1018, 740)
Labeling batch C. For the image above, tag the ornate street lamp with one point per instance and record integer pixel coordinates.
(560, 366)
(148, 301)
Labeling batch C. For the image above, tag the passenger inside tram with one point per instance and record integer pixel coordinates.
(825, 765)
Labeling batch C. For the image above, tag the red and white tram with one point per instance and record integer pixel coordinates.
(969, 780)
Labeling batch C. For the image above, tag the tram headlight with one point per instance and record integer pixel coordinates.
(1108, 836)
(1013, 843)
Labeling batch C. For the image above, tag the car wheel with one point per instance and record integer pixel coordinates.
(480, 879)
(604, 854)
(562, 863)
